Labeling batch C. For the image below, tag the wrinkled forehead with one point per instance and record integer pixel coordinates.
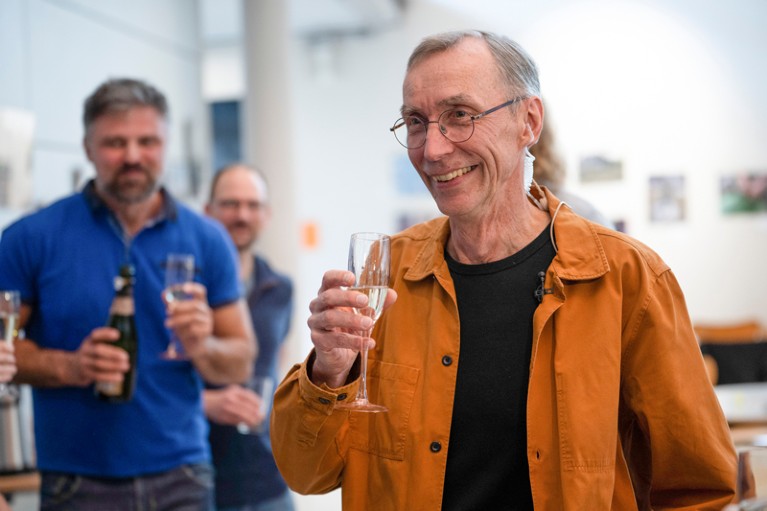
(465, 71)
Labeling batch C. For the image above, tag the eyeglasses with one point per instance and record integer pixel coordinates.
(455, 124)
(234, 204)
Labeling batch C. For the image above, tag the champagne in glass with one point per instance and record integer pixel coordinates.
(369, 257)
(10, 304)
(179, 270)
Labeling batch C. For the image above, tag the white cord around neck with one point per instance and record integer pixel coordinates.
(551, 226)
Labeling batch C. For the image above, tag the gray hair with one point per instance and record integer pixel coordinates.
(119, 95)
(517, 67)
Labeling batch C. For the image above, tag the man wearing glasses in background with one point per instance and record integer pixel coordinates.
(532, 360)
(246, 477)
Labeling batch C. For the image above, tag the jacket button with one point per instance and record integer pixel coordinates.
(435, 447)
(324, 400)
(447, 360)
(341, 397)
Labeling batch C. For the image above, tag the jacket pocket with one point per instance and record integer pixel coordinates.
(385, 434)
(587, 427)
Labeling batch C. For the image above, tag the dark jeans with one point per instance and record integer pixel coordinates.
(186, 488)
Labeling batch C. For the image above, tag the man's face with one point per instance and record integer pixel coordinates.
(127, 149)
(239, 202)
(475, 178)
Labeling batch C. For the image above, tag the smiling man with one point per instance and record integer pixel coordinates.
(532, 360)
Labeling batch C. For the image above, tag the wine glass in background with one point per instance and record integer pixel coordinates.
(369, 257)
(179, 270)
(263, 386)
(752, 480)
(9, 317)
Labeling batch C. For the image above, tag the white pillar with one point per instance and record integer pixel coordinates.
(267, 122)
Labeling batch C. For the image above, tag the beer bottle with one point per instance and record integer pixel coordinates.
(122, 317)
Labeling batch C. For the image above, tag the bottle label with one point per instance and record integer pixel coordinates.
(122, 306)
(109, 388)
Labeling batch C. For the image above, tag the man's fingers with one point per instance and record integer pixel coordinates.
(336, 278)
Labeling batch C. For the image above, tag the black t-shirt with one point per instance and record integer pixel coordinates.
(487, 460)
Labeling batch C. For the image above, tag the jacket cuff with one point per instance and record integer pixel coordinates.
(321, 397)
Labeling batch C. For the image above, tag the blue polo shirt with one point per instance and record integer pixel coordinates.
(63, 260)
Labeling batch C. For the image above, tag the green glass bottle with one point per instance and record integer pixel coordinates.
(122, 317)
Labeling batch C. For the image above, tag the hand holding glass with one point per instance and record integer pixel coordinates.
(369, 257)
(263, 386)
(10, 304)
(179, 270)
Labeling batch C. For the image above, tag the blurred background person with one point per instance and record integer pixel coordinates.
(94, 454)
(247, 478)
(550, 171)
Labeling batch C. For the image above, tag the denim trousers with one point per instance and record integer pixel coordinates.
(282, 502)
(186, 488)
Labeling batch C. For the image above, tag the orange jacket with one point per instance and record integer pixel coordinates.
(620, 415)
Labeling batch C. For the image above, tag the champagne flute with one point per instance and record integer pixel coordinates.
(263, 386)
(369, 256)
(9, 317)
(179, 270)
(752, 480)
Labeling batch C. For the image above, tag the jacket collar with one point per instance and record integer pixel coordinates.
(431, 257)
(580, 254)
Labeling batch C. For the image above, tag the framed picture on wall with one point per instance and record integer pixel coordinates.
(598, 167)
(667, 199)
(744, 192)
(16, 137)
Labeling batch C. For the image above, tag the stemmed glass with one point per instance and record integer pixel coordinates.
(752, 480)
(9, 317)
(369, 256)
(179, 270)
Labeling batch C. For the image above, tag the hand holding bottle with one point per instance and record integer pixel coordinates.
(99, 360)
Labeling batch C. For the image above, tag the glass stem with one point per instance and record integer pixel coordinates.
(362, 393)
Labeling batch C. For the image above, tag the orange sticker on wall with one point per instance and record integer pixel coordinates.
(309, 235)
